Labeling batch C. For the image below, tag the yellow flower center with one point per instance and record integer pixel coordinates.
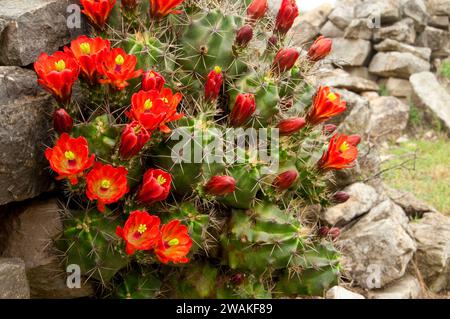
(148, 104)
(69, 155)
(142, 228)
(151, 75)
(161, 180)
(332, 97)
(165, 100)
(60, 65)
(344, 147)
(173, 242)
(119, 59)
(218, 69)
(105, 184)
(85, 48)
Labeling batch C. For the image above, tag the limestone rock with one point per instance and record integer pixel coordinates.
(387, 10)
(349, 82)
(402, 31)
(412, 206)
(392, 45)
(13, 280)
(341, 16)
(397, 64)
(436, 39)
(32, 27)
(351, 52)
(417, 11)
(389, 118)
(330, 30)
(397, 87)
(432, 234)
(431, 95)
(377, 249)
(362, 199)
(439, 7)
(407, 287)
(341, 293)
(359, 29)
(440, 22)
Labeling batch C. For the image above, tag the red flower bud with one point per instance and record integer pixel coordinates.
(244, 35)
(133, 139)
(257, 9)
(285, 180)
(291, 126)
(213, 84)
(354, 140)
(286, 16)
(221, 185)
(333, 232)
(155, 186)
(243, 109)
(340, 197)
(320, 48)
(329, 129)
(152, 81)
(285, 60)
(62, 122)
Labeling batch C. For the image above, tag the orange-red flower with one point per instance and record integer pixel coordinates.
(155, 186)
(148, 109)
(320, 48)
(57, 73)
(162, 8)
(98, 11)
(117, 68)
(174, 244)
(106, 184)
(286, 16)
(340, 154)
(171, 102)
(87, 51)
(141, 231)
(70, 157)
(152, 80)
(133, 139)
(326, 105)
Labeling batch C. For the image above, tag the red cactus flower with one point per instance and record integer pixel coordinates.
(62, 121)
(221, 185)
(286, 16)
(57, 73)
(291, 126)
(106, 184)
(161, 8)
(244, 36)
(257, 9)
(70, 157)
(117, 68)
(285, 60)
(98, 11)
(155, 186)
(152, 81)
(285, 180)
(326, 105)
(134, 137)
(213, 84)
(170, 101)
(148, 109)
(141, 231)
(174, 243)
(243, 109)
(340, 154)
(87, 51)
(354, 140)
(320, 49)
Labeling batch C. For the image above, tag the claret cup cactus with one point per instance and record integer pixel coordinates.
(194, 155)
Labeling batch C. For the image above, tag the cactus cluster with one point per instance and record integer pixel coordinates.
(206, 217)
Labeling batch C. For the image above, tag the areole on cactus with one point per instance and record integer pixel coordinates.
(197, 144)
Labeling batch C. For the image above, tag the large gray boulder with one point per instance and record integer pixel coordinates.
(25, 121)
(389, 45)
(417, 11)
(402, 31)
(432, 234)
(359, 29)
(437, 40)
(350, 82)
(330, 30)
(341, 16)
(432, 96)
(412, 206)
(388, 119)
(377, 249)
(387, 10)
(397, 64)
(13, 280)
(31, 27)
(350, 52)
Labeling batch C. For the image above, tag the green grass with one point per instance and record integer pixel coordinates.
(445, 69)
(422, 168)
